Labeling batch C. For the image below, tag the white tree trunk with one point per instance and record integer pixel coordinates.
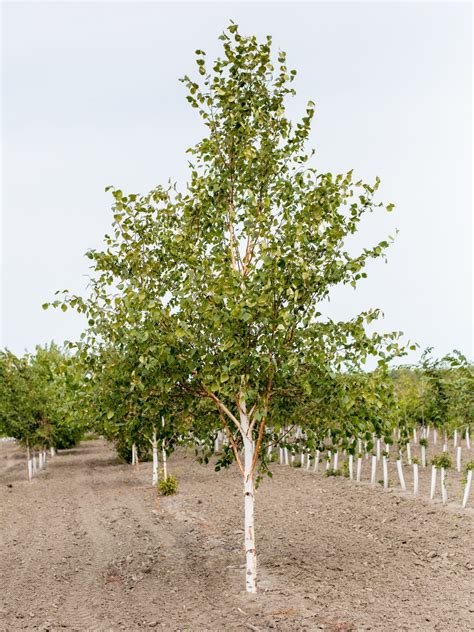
(154, 447)
(351, 467)
(34, 463)
(444, 491)
(423, 456)
(433, 482)
(400, 475)
(385, 471)
(373, 472)
(378, 449)
(249, 501)
(409, 453)
(163, 453)
(165, 462)
(29, 463)
(358, 469)
(415, 479)
(467, 489)
(316, 460)
(336, 460)
(414, 436)
(468, 442)
(52, 451)
(435, 436)
(134, 454)
(455, 438)
(458, 458)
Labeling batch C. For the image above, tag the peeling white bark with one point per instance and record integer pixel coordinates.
(249, 501)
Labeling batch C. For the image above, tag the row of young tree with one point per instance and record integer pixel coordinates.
(37, 402)
(205, 306)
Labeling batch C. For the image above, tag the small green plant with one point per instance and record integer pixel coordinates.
(332, 472)
(415, 460)
(345, 469)
(442, 461)
(424, 442)
(168, 486)
(467, 468)
(296, 464)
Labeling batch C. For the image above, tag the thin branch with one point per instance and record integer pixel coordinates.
(234, 445)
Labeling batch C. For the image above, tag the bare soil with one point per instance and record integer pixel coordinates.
(88, 545)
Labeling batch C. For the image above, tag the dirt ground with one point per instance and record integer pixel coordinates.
(89, 546)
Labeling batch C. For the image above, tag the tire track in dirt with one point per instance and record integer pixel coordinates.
(88, 546)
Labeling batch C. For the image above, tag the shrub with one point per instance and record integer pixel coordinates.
(332, 472)
(168, 486)
(442, 461)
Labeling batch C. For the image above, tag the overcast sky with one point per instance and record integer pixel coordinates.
(91, 97)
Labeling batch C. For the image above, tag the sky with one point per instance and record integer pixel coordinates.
(91, 97)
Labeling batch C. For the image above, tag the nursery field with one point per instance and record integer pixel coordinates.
(88, 545)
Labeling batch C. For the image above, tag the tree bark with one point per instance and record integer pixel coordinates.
(154, 444)
(249, 501)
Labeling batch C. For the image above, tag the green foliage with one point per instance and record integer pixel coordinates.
(332, 472)
(442, 461)
(214, 292)
(38, 395)
(168, 486)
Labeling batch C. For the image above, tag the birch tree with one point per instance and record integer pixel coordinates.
(226, 278)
